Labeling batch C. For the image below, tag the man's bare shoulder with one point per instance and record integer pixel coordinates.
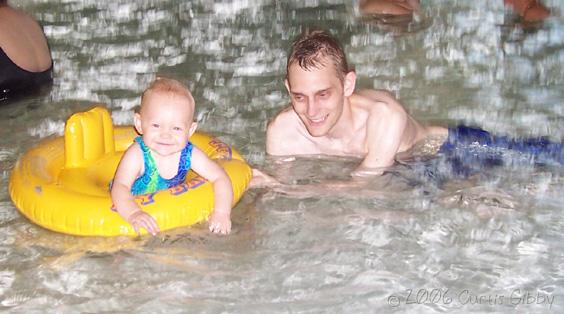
(284, 133)
(377, 101)
(283, 125)
(283, 118)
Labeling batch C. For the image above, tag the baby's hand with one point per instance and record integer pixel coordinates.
(220, 222)
(141, 219)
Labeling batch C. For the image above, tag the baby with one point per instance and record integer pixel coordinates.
(161, 157)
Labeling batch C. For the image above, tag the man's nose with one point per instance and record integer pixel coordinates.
(312, 108)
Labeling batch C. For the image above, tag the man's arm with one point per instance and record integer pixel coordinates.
(386, 124)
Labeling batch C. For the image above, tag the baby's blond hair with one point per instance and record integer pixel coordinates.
(168, 86)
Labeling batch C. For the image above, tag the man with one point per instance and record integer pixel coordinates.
(328, 117)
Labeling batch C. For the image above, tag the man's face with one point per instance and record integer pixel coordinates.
(317, 96)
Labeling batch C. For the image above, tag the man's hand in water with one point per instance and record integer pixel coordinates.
(261, 180)
(364, 172)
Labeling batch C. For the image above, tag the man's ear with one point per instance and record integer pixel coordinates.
(287, 85)
(137, 123)
(193, 128)
(349, 83)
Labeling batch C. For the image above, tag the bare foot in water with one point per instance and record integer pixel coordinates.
(529, 10)
(389, 7)
(395, 16)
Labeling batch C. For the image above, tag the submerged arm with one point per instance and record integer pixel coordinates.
(368, 186)
(358, 187)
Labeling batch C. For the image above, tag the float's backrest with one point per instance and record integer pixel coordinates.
(88, 136)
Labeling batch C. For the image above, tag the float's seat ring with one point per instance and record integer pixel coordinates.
(62, 184)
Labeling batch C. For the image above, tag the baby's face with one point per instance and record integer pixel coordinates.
(166, 123)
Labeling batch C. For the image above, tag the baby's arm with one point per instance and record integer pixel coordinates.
(128, 170)
(220, 218)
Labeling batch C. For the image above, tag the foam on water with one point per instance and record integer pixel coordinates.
(48, 127)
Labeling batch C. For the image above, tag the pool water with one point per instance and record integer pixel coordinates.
(489, 242)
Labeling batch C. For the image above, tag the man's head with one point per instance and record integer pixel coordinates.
(166, 117)
(313, 49)
(318, 80)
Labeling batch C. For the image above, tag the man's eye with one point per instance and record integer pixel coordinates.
(299, 98)
(177, 128)
(155, 125)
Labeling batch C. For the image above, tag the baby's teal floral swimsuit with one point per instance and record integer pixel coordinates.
(151, 181)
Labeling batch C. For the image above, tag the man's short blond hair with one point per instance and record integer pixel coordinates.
(311, 49)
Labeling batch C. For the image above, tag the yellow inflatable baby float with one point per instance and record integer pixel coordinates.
(62, 184)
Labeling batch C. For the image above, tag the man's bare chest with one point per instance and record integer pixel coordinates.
(341, 147)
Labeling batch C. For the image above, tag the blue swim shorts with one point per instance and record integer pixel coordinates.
(469, 149)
